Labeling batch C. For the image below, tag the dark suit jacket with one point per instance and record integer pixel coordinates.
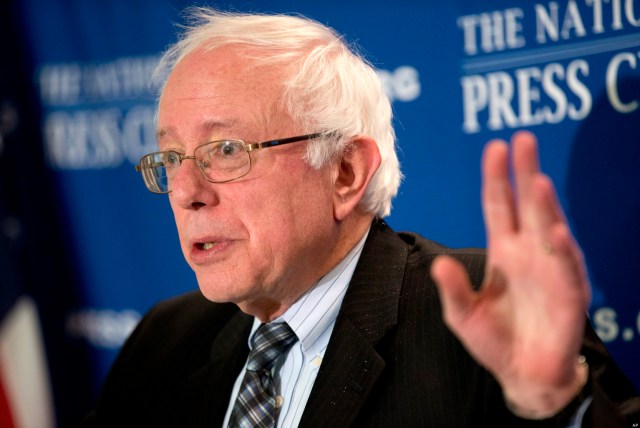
(391, 362)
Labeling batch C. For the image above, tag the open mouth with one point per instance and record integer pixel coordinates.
(210, 250)
(205, 245)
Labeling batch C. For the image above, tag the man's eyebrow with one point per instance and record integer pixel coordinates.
(163, 132)
(204, 129)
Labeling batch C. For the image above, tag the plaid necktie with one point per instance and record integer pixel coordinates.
(256, 402)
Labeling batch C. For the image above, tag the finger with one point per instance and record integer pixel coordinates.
(457, 297)
(537, 205)
(531, 190)
(570, 259)
(542, 210)
(525, 154)
(497, 195)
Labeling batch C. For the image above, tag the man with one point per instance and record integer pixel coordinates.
(277, 152)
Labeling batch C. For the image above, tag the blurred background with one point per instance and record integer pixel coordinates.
(85, 249)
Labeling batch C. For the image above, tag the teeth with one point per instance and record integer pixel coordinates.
(208, 245)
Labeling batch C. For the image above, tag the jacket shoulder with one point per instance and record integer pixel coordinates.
(182, 322)
(423, 251)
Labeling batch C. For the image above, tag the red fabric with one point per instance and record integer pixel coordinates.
(6, 418)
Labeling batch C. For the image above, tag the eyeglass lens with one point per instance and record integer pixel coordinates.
(219, 161)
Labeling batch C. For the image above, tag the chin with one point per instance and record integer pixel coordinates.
(219, 291)
(215, 295)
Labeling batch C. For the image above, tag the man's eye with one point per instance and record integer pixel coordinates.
(171, 159)
(230, 149)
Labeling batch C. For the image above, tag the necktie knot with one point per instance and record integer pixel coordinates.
(269, 342)
(256, 402)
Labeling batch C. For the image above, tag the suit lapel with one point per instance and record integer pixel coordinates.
(209, 387)
(352, 365)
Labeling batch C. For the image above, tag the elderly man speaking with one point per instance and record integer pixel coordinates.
(277, 152)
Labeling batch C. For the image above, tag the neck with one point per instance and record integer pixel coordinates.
(349, 233)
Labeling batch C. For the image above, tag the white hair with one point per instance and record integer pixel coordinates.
(327, 86)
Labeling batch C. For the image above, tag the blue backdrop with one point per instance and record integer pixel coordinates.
(459, 73)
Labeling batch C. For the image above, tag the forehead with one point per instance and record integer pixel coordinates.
(219, 90)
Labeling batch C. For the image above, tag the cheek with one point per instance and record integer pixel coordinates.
(180, 222)
(288, 218)
(309, 215)
(181, 219)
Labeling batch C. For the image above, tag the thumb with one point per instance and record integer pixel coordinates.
(456, 295)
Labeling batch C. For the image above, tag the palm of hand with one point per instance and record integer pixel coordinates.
(525, 324)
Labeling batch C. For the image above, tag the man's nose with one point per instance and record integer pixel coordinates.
(189, 188)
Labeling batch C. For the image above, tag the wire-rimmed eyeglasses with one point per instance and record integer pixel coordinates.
(219, 161)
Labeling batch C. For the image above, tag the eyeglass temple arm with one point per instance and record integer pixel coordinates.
(255, 146)
(284, 141)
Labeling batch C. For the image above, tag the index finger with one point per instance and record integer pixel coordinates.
(498, 204)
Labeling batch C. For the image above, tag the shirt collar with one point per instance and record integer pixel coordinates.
(317, 309)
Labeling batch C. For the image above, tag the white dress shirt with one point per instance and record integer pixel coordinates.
(312, 318)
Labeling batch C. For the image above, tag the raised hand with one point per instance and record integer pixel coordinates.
(525, 324)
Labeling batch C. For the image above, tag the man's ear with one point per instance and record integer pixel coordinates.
(353, 173)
